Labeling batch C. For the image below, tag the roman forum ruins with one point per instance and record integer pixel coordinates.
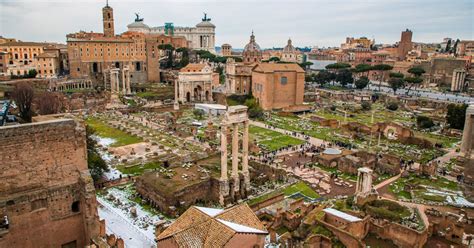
(234, 116)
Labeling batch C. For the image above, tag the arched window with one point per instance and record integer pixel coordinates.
(138, 66)
(109, 25)
(117, 65)
(108, 16)
(95, 68)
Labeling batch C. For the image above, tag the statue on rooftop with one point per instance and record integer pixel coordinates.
(138, 19)
(205, 19)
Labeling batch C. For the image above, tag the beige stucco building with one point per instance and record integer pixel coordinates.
(18, 58)
(278, 86)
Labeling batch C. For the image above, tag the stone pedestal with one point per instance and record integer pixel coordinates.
(223, 191)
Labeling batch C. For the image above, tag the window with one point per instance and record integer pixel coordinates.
(75, 207)
(283, 80)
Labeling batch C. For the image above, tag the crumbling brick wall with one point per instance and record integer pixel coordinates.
(46, 190)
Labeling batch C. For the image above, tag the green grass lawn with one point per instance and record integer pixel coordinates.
(138, 169)
(301, 187)
(296, 124)
(271, 140)
(103, 130)
(439, 183)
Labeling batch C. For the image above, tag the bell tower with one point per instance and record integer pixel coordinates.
(108, 20)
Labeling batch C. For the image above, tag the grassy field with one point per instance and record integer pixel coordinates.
(103, 130)
(138, 169)
(296, 124)
(439, 183)
(272, 140)
(300, 187)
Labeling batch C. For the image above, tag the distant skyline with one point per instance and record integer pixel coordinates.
(308, 23)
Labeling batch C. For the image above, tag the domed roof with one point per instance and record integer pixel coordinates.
(252, 46)
(205, 24)
(289, 48)
(138, 25)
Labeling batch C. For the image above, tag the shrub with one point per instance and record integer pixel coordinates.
(392, 106)
(366, 105)
(424, 122)
(198, 113)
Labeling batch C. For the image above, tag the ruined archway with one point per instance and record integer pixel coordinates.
(188, 97)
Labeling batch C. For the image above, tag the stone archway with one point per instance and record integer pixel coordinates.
(188, 97)
(197, 93)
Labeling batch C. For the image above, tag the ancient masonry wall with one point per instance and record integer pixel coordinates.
(401, 236)
(46, 190)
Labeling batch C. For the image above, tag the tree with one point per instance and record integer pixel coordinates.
(366, 105)
(255, 111)
(309, 78)
(381, 68)
(396, 75)
(184, 56)
(413, 81)
(276, 59)
(424, 122)
(324, 77)
(96, 164)
(305, 65)
(392, 106)
(23, 95)
(416, 71)
(362, 82)
(48, 103)
(363, 68)
(456, 115)
(32, 73)
(396, 83)
(198, 113)
(338, 66)
(344, 77)
(168, 48)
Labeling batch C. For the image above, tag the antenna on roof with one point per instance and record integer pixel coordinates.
(107, 3)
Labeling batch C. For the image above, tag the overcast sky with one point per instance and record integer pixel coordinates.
(307, 22)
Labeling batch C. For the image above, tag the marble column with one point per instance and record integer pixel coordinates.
(117, 82)
(245, 154)
(235, 156)
(124, 86)
(112, 81)
(223, 153)
(129, 89)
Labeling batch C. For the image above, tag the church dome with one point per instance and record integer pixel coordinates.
(289, 48)
(252, 46)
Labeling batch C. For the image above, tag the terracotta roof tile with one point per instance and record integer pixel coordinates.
(195, 228)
